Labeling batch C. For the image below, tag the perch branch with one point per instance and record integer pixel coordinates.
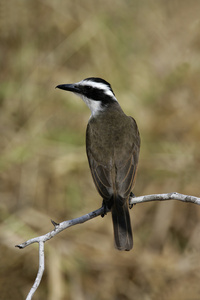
(63, 225)
(168, 196)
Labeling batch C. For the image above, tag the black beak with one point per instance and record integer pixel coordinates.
(69, 87)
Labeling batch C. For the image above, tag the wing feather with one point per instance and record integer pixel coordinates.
(101, 176)
(114, 174)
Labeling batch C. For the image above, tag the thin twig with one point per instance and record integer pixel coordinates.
(101, 211)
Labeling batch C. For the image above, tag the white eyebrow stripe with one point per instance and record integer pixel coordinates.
(98, 85)
(93, 84)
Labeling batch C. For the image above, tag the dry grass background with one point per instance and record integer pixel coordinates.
(150, 52)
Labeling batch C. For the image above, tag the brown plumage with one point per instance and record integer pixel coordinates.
(113, 145)
(114, 171)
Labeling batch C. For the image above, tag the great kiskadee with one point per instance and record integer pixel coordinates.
(112, 145)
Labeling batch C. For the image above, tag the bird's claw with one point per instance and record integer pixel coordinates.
(105, 209)
(131, 196)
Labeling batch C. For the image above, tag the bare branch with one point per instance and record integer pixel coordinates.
(62, 226)
(168, 196)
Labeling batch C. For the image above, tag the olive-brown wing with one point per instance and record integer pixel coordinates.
(101, 176)
(126, 159)
(126, 174)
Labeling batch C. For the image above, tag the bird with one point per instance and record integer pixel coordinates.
(112, 146)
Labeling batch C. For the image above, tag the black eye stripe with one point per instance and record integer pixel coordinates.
(97, 94)
(93, 80)
(90, 89)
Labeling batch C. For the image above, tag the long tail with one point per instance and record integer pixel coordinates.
(122, 226)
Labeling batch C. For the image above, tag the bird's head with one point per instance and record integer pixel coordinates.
(95, 92)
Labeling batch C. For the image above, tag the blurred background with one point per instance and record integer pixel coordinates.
(150, 52)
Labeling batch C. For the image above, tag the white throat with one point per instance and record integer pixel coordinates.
(94, 106)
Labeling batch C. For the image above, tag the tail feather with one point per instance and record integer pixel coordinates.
(122, 226)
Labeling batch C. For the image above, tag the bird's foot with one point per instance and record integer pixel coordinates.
(105, 208)
(131, 196)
